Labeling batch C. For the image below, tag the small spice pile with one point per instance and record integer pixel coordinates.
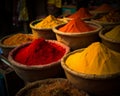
(104, 7)
(18, 39)
(112, 16)
(95, 59)
(114, 33)
(81, 13)
(76, 26)
(49, 22)
(39, 52)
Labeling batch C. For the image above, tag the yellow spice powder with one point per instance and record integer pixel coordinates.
(95, 59)
(114, 34)
(18, 39)
(48, 22)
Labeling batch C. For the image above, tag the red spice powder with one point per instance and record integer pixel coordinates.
(39, 52)
(81, 13)
(76, 26)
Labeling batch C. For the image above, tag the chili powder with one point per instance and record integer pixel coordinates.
(39, 52)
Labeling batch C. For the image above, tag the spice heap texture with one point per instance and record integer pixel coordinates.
(95, 59)
(81, 13)
(18, 39)
(49, 22)
(112, 16)
(104, 7)
(55, 88)
(114, 34)
(76, 26)
(39, 52)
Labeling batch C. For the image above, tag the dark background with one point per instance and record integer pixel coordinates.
(9, 23)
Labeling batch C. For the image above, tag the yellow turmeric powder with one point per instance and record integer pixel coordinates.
(95, 59)
(114, 34)
(18, 39)
(49, 22)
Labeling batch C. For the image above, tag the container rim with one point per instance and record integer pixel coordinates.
(8, 46)
(105, 23)
(36, 67)
(101, 34)
(32, 23)
(98, 28)
(83, 75)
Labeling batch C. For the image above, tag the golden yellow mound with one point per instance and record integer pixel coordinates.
(95, 59)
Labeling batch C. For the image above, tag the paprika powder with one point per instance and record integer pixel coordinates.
(81, 13)
(39, 52)
(76, 26)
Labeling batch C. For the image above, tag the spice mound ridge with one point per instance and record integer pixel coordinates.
(76, 26)
(96, 59)
(48, 22)
(39, 52)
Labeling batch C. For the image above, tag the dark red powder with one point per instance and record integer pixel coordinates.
(39, 52)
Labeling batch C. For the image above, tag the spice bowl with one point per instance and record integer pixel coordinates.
(37, 72)
(6, 48)
(46, 33)
(78, 40)
(95, 85)
(51, 87)
(110, 43)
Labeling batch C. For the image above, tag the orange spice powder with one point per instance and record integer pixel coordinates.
(76, 26)
(81, 13)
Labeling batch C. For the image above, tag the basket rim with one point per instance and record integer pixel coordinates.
(83, 75)
(36, 21)
(101, 34)
(99, 11)
(36, 67)
(99, 27)
(8, 46)
(39, 82)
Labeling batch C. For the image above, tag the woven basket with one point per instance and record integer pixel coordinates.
(78, 40)
(103, 85)
(112, 44)
(36, 72)
(58, 82)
